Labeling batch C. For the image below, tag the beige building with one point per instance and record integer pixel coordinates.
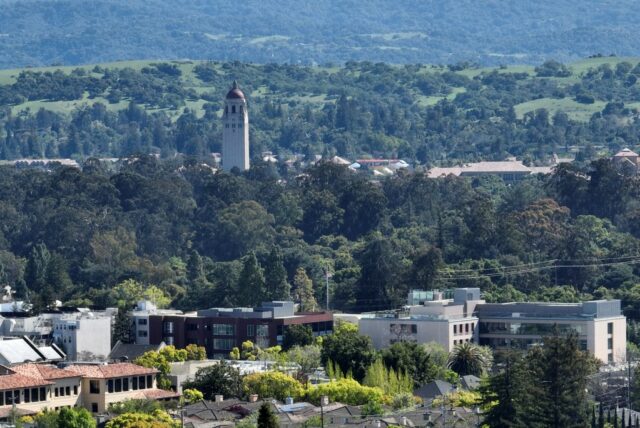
(33, 387)
(600, 325)
(104, 384)
(447, 320)
(235, 131)
(30, 388)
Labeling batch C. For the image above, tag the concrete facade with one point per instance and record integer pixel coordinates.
(235, 131)
(600, 325)
(83, 338)
(448, 322)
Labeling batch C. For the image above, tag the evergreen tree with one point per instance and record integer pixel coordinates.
(275, 274)
(502, 389)
(35, 274)
(122, 326)
(304, 291)
(195, 266)
(556, 383)
(600, 416)
(593, 417)
(251, 283)
(266, 417)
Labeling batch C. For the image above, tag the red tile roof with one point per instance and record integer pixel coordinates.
(110, 370)
(43, 371)
(17, 380)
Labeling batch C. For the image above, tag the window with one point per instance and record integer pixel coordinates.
(143, 333)
(455, 329)
(125, 384)
(67, 390)
(262, 330)
(263, 342)
(43, 394)
(110, 385)
(1, 399)
(34, 394)
(466, 328)
(223, 344)
(94, 407)
(251, 330)
(118, 387)
(226, 125)
(610, 343)
(610, 328)
(94, 387)
(75, 389)
(192, 327)
(134, 383)
(55, 392)
(223, 330)
(233, 109)
(27, 396)
(142, 321)
(239, 125)
(168, 327)
(233, 125)
(149, 381)
(141, 382)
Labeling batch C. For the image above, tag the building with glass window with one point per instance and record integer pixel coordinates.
(600, 325)
(458, 316)
(432, 316)
(219, 330)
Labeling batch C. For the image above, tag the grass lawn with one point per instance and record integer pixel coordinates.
(575, 110)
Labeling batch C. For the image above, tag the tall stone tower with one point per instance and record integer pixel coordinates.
(235, 132)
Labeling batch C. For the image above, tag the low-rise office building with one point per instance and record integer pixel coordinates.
(83, 337)
(600, 325)
(458, 316)
(431, 316)
(219, 330)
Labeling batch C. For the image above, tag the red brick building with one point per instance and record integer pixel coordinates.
(220, 329)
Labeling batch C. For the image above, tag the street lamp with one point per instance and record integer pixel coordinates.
(324, 400)
(477, 411)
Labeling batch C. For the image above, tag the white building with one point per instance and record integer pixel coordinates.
(235, 131)
(448, 322)
(83, 337)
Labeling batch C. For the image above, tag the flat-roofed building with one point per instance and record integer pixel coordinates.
(219, 330)
(447, 319)
(600, 325)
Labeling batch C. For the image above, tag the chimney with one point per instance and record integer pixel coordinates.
(218, 398)
(253, 398)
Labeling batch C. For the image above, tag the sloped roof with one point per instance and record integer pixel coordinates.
(44, 371)
(52, 353)
(16, 351)
(17, 380)
(434, 389)
(470, 381)
(110, 370)
(626, 152)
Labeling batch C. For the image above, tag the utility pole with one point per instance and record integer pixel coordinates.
(327, 275)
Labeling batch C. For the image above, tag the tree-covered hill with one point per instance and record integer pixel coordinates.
(42, 32)
(426, 115)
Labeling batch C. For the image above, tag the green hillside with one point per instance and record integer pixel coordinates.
(426, 114)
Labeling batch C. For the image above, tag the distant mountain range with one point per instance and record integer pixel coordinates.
(489, 32)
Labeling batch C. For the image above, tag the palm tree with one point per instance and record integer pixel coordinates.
(468, 359)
